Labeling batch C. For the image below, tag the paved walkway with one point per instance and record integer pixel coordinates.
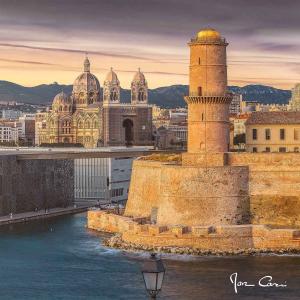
(40, 214)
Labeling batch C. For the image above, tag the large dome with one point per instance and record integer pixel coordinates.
(208, 34)
(86, 82)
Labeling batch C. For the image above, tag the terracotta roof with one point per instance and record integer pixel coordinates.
(274, 117)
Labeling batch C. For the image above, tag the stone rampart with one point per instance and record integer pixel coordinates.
(219, 238)
(26, 185)
(260, 188)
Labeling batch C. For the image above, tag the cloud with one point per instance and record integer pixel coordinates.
(27, 62)
(100, 53)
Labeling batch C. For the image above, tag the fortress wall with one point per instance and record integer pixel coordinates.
(189, 195)
(274, 186)
(205, 238)
(144, 192)
(29, 184)
(260, 188)
(198, 196)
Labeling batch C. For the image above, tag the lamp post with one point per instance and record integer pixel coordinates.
(153, 271)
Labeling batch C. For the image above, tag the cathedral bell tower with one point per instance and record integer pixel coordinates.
(208, 100)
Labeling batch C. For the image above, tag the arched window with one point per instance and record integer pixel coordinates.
(141, 95)
(113, 95)
(80, 124)
(87, 124)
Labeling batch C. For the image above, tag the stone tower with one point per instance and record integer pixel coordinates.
(111, 88)
(139, 89)
(208, 100)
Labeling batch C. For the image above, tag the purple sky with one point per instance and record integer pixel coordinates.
(45, 41)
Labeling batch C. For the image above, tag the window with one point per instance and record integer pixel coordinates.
(296, 149)
(254, 150)
(117, 192)
(268, 149)
(268, 134)
(282, 134)
(282, 149)
(199, 61)
(199, 91)
(254, 134)
(296, 134)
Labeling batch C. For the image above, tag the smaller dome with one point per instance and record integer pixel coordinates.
(208, 34)
(139, 76)
(61, 98)
(62, 103)
(112, 77)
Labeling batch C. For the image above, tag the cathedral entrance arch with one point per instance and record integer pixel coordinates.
(128, 126)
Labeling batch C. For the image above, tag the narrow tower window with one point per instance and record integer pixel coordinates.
(268, 134)
(254, 134)
(199, 61)
(199, 91)
(282, 134)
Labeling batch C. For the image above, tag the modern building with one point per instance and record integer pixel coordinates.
(87, 118)
(273, 132)
(102, 180)
(235, 105)
(27, 134)
(10, 114)
(9, 134)
(295, 100)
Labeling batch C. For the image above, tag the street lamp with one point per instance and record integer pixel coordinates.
(153, 271)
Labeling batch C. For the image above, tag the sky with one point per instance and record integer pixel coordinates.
(45, 41)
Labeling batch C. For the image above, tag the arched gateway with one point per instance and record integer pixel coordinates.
(128, 126)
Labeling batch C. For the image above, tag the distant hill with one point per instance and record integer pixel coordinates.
(168, 97)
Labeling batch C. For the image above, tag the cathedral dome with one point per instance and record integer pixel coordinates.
(139, 77)
(62, 102)
(208, 34)
(61, 98)
(86, 82)
(112, 77)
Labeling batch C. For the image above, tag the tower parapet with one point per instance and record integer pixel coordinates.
(208, 100)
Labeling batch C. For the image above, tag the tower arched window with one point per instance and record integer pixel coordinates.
(113, 95)
(141, 95)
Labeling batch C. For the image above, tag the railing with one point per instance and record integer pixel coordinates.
(209, 40)
(208, 94)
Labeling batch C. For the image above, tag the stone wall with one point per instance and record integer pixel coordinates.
(274, 186)
(189, 195)
(29, 184)
(144, 191)
(258, 188)
(214, 238)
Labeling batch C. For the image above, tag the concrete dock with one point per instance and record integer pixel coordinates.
(40, 214)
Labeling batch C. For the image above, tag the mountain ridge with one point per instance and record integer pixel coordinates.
(167, 96)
